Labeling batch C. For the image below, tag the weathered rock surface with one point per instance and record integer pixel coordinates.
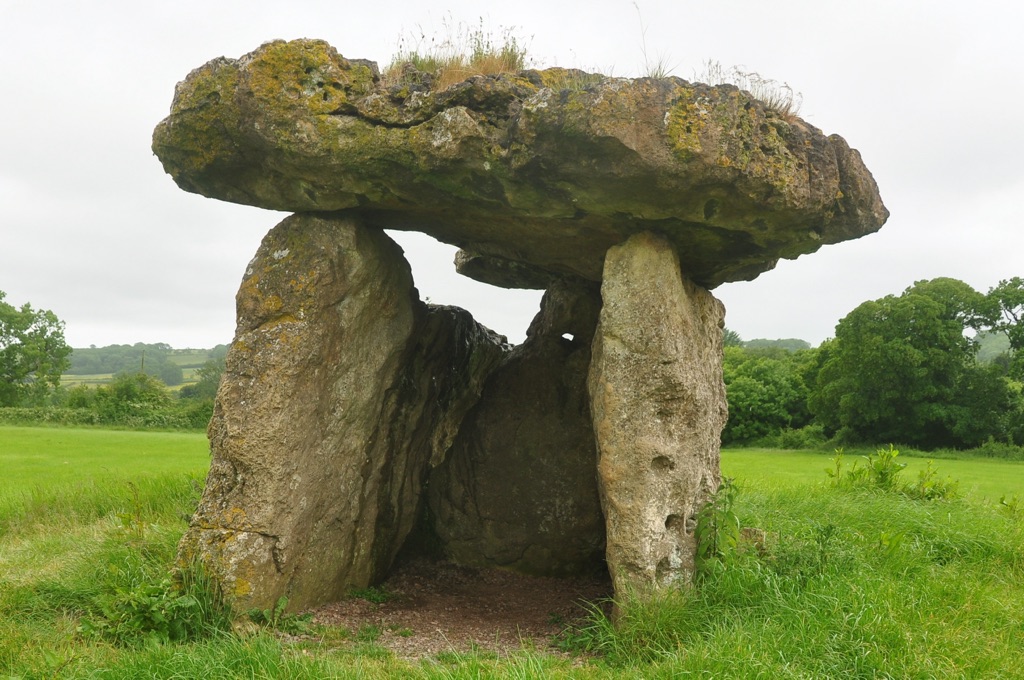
(658, 403)
(534, 174)
(519, 486)
(340, 388)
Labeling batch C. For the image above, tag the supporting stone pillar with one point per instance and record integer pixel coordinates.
(658, 404)
(339, 388)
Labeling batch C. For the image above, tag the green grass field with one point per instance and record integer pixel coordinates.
(980, 479)
(34, 457)
(90, 380)
(190, 358)
(850, 583)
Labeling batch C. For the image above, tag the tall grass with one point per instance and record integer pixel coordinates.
(462, 53)
(68, 477)
(776, 96)
(850, 585)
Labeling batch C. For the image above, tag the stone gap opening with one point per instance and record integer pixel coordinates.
(503, 310)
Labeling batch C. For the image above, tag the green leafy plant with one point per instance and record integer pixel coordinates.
(374, 594)
(1010, 505)
(278, 619)
(883, 468)
(882, 471)
(889, 543)
(930, 487)
(188, 606)
(718, 528)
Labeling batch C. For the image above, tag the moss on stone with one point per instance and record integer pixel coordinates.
(204, 116)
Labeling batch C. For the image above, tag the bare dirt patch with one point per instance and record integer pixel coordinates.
(433, 607)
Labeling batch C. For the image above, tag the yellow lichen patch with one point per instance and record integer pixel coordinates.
(685, 121)
(560, 79)
(242, 587)
(301, 72)
(272, 304)
(307, 76)
(277, 321)
(234, 518)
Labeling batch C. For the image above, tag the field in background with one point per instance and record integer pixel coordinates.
(92, 379)
(36, 457)
(33, 456)
(190, 361)
(982, 480)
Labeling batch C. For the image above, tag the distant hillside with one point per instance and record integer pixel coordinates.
(991, 345)
(96, 365)
(788, 344)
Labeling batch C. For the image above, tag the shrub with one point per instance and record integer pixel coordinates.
(882, 471)
(994, 449)
(807, 437)
(185, 606)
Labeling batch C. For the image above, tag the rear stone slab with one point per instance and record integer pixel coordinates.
(519, 487)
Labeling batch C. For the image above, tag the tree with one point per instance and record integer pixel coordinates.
(209, 380)
(901, 369)
(766, 392)
(153, 359)
(1008, 298)
(131, 395)
(790, 344)
(33, 353)
(731, 338)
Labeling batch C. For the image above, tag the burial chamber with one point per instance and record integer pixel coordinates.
(354, 420)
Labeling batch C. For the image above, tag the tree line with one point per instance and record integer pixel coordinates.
(903, 368)
(34, 355)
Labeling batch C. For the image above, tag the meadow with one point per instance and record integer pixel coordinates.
(854, 582)
(980, 480)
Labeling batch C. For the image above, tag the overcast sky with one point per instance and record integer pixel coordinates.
(930, 92)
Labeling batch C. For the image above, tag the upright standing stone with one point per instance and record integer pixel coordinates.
(340, 386)
(658, 404)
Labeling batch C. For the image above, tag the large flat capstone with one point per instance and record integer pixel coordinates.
(534, 174)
